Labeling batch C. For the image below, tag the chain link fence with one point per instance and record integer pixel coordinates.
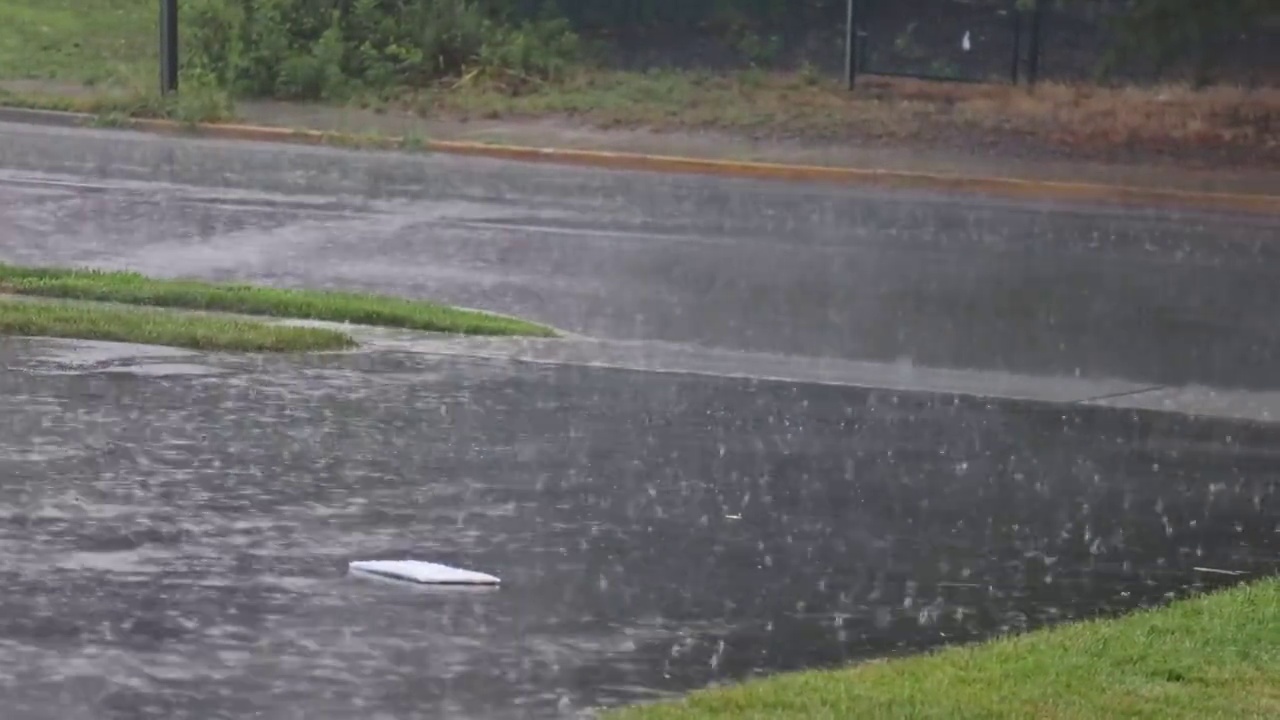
(961, 40)
(716, 35)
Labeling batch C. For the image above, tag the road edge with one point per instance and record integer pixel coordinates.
(1002, 187)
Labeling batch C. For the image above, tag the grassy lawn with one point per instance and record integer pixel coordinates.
(160, 327)
(133, 289)
(80, 41)
(1215, 656)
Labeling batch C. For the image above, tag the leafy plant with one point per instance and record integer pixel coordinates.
(326, 49)
(201, 98)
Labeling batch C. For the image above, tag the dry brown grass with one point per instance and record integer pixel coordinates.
(1162, 114)
(1086, 119)
(1221, 125)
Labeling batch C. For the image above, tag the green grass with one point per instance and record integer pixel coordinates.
(81, 41)
(134, 289)
(120, 103)
(97, 57)
(1215, 656)
(160, 327)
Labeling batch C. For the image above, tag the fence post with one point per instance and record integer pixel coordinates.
(850, 45)
(1033, 52)
(1017, 41)
(168, 46)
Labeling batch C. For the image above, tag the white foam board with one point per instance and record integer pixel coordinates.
(422, 572)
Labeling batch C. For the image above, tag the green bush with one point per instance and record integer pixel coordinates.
(324, 49)
(531, 51)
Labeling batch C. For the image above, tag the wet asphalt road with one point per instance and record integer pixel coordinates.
(1156, 298)
(174, 546)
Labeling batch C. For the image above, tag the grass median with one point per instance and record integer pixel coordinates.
(1214, 656)
(358, 308)
(153, 326)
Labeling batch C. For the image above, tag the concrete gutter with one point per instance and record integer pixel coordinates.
(1003, 187)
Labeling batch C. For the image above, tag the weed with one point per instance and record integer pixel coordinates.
(413, 141)
(110, 119)
(809, 74)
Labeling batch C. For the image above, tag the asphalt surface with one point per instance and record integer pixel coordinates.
(1153, 298)
(720, 501)
(175, 547)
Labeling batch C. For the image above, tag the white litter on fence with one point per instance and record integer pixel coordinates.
(422, 572)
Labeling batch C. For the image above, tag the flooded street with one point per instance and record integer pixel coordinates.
(711, 497)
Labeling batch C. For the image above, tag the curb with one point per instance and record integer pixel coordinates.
(1003, 187)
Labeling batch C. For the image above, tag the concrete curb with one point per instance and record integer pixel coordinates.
(1011, 188)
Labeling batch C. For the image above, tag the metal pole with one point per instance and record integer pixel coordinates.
(850, 46)
(168, 46)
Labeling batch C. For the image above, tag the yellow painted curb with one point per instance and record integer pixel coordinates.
(990, 186)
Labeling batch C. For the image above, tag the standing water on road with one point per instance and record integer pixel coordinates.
(176, 547)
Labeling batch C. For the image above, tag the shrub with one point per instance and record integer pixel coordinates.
(531, 51)
(321, 49)
(203, 99)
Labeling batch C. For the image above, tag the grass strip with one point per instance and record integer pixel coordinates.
(160, 327)
(1214, 656)
(363, 309)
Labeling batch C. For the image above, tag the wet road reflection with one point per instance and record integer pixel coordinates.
(174, 547)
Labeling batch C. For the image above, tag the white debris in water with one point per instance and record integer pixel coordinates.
(422, 572)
